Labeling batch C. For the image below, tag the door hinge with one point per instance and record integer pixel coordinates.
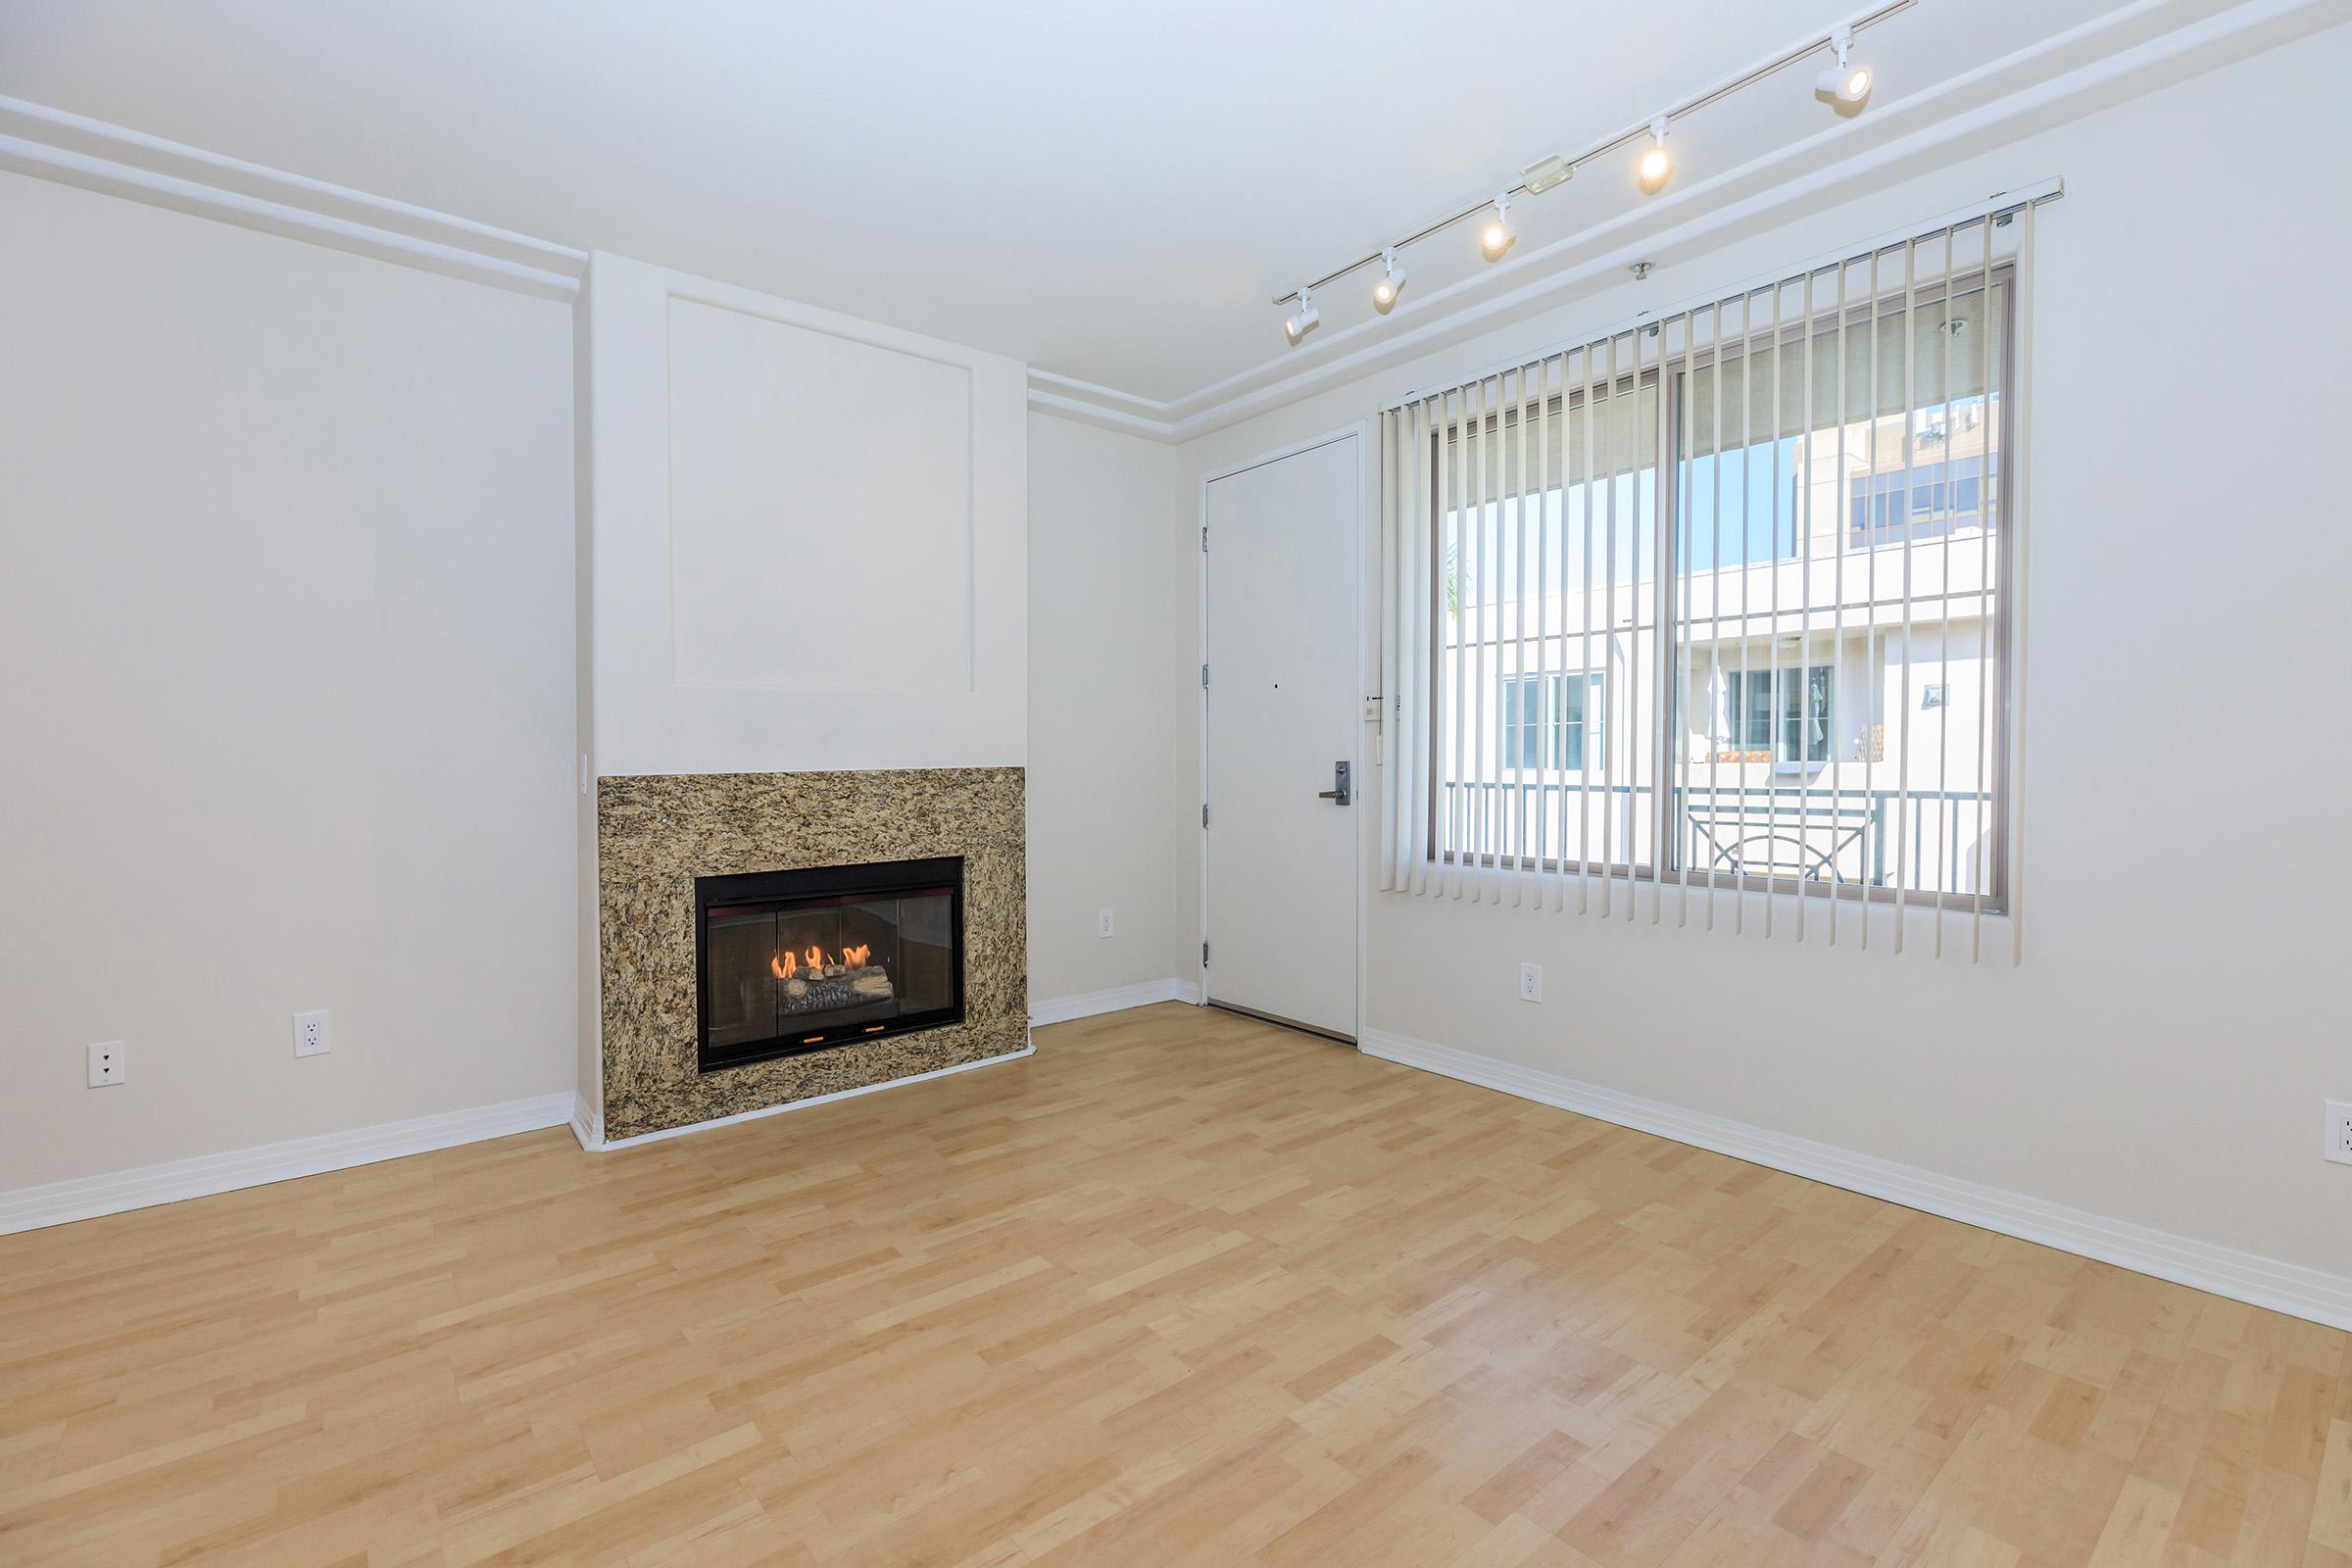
(1203, 955)
(1204, 814)
(1204, 538)
(1204, 677)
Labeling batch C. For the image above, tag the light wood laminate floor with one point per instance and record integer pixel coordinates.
(1181, 1288)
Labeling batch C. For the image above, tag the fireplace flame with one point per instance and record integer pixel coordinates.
(786, 966)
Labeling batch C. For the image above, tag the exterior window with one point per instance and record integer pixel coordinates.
(1787, 709)
(1546, 720)
(1748, 703)
(1805, 715)
(1943, 496)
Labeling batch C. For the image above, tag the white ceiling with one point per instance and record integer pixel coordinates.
(1107, 189)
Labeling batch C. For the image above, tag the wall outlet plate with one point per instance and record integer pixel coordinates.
(1531, 982)
(110, 1063)
(2339, 1131)
(1102, 922)
(310, 1032)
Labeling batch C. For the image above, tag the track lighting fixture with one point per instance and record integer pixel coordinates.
(1657, 163)
(1844, 81)
(1847, 85)
(1545, 173)
(1303, 321)
(1497, 235)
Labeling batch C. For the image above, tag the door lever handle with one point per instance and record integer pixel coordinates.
(1342, 789)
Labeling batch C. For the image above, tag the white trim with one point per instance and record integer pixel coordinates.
(1118, 999)
(605, 1144)
(75, 150)
(33, 1207)
(1371, 735)
(2281, 1287)
(1331, 437)
(1092, 392)
(1082, 411)
(587, 1124)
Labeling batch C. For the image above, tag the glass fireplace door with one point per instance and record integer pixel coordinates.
(803, 962)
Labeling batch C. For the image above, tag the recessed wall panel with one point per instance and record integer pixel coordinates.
(820, 510)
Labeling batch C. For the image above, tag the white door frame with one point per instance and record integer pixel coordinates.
(1366, 659)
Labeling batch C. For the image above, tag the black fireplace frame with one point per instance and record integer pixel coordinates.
(818, 886)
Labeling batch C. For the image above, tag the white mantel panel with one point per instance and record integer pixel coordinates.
(808, 539)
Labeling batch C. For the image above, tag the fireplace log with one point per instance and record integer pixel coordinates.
(838, 988)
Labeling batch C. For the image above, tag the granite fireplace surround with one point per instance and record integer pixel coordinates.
(656, 834)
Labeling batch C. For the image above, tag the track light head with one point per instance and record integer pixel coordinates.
(1846, 82)
(1303, 320)
(1392, 279)
(1498, 234)
(1657, 163)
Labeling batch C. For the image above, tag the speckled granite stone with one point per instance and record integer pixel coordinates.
(656, 834)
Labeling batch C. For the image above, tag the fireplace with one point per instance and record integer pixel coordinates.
(788, 962)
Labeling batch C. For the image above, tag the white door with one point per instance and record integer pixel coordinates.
(1285, 705)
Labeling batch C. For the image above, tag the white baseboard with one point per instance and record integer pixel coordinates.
(31, 1207)
(2265, 1282)
(587, 1123)
(1118, 999)
(581, 1125)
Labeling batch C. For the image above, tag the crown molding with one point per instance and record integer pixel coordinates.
(72, 149)
(1708, 210)
(75, 150)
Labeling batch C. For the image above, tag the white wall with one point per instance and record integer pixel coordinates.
(1111, 775)
(809, 536)
(286, 611)
(2163, 1053)
(589, 1019)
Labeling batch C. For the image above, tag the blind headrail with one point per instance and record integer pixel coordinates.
(2000, 204)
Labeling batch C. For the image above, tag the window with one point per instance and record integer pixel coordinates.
(1547, 720)
(1785, 708)
(1747, 708)
(1772, 530)
(1940, 495)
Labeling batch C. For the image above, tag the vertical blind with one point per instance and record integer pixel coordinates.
(1715, 619)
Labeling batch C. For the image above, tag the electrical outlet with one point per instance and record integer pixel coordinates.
(110, 1063)
(1102, 922)
(2339, 1131)
(1531, 982)
(309, 1034)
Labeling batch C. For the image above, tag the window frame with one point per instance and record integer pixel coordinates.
(1663, 859)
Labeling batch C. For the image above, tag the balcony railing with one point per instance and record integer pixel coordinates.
(1922, 840)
